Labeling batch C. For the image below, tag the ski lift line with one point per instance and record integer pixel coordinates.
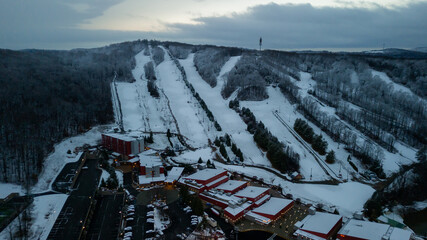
(319, 160)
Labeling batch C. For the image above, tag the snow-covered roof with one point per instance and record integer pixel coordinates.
(217, 181)
(366, 230)
(262, 200)
(320, 222)
(205, 174)
(251, 192)
(231, 185)
(149, 160)
(174, 174)
(273, 206)
(143, 179)
(308, 235)
(400, 234)
(221, 196)
(258, 217)
(123, 137)
(237, 209)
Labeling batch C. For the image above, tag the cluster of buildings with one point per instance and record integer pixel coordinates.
(236, 198)
(325, 226)
(147, 164)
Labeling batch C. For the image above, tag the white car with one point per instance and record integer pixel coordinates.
(128, 229)
(129, 219)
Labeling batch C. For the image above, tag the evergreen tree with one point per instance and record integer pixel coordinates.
(330, 157)
(217, 142)
(185, 195)
(227, 140)
(234, 148)
(223, 151)
(422, 154)
(200, 160)
(197, 206)
(168, 133)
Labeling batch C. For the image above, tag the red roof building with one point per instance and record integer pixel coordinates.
(320, 226)
(232, 186)
(274, 208)
(205, 179)
(253, 193)
(123, 144)
(364, 230)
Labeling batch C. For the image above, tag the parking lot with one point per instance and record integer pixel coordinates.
(69, 223)
(106, 219)
(65, 178)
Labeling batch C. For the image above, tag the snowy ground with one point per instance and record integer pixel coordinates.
(397, 87)
(54, 163)
(8, 188)
(229, 120)
(191, 119)
(44, 212)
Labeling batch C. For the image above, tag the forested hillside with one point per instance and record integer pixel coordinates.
(46, 96)
(382, 97)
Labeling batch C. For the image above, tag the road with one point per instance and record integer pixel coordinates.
(70, 221)
(316, 156)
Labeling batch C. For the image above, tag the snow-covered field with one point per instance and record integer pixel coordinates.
(229, 120)
(44, 212)
(184, 107)
(54, 163)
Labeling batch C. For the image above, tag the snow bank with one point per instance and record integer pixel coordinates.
(8, 188)
(56, 160)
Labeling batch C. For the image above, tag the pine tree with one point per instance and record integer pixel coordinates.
(330, 158)
(223, 151)
(422, 154)
(200, 160)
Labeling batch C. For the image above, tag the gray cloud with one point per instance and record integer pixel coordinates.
(303, 26)
(51, 24)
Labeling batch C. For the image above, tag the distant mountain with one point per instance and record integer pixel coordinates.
(398, 53)
(420, 49)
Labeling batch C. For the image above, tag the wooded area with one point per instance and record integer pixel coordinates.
(47, 96)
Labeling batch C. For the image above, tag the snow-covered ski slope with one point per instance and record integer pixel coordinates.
(140, 110)
(263, 110)
(190, 118)
(229, 120)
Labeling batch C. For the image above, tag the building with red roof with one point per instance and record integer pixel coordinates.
(232, 186)
(319, 226)
(274, 208)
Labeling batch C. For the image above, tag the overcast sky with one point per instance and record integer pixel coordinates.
(283, 24)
